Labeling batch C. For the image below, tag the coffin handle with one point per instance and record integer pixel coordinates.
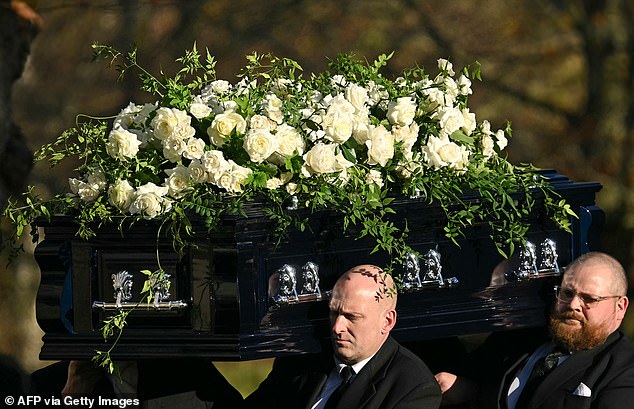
(126, 306)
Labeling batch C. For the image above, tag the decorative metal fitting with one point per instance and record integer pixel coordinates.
(310, 277)
(122, 284)
(432, 276)
(287, 284)
(294, 203)
(284, 282)
(160, 289)
(533, 264)
(548, 257)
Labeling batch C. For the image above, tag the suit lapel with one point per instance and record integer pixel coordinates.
(363, 388)
(575, 364)
(508, 378)
(314, 382)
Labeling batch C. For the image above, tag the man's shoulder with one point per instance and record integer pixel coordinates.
(621, 347)
(408, 361)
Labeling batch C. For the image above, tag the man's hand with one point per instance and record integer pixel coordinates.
(456, 390)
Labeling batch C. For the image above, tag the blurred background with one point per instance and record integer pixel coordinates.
(561, 71)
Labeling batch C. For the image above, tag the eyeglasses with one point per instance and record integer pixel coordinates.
(566, 295)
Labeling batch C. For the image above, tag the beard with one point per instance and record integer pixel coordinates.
(579, 336)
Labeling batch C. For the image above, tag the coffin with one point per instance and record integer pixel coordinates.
(236, 294)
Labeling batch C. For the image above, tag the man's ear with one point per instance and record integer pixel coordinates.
(389, 321)
(621, 307)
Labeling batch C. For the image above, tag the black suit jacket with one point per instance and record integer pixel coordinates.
(607, 371)
(394, 378)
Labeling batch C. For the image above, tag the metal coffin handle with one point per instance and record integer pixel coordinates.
(431, 276)
(534, 264)
(122, 284)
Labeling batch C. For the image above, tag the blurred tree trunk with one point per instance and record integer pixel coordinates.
(604, 125)
(18, 26)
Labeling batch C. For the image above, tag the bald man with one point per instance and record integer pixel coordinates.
(591, 362)
(366, 369)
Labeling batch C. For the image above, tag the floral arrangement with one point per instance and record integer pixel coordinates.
(349, 140)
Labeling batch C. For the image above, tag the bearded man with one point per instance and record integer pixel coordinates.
(588, 362)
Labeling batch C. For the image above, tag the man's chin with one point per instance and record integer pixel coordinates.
(574, 335)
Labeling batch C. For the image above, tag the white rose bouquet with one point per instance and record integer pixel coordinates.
(349, 139)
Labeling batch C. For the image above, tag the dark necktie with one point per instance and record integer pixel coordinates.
(346, 373)
(541, 369)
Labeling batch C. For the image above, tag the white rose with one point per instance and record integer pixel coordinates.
(501, 139)
(376, 93)
(126, 118)
(199, 109)
(214, 163)
(173, 148)
(194, 149)
(245, 85)
(220, 86)
(88, 192)
(486, 127)
(281, 86)
(290, 142)
(229, 106)
(260, 144)
(74, 184)
(233, 177)
(464, 85)
(380, 146)
(97, 177)
(450, 120)
(374, 177)
(172, 122)
(339, 104)
(451, 88)
(274, 183)
(261, 121)
(122, 144)
(339, 128)
(445, 65)
(177, 181)
(338, 80)
(272, 108)
(149, 201)
(408, 135)
(361, 129)
(121, 194)
(469, 121)
(222, 126)
(197, 171)
(357, 96)
(436, 98)
(442, 152)
(487, 146)
(320, 159)
(402, 111)
(291, 188)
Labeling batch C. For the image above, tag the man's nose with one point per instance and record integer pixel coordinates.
(575, 304)
(338, 324)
